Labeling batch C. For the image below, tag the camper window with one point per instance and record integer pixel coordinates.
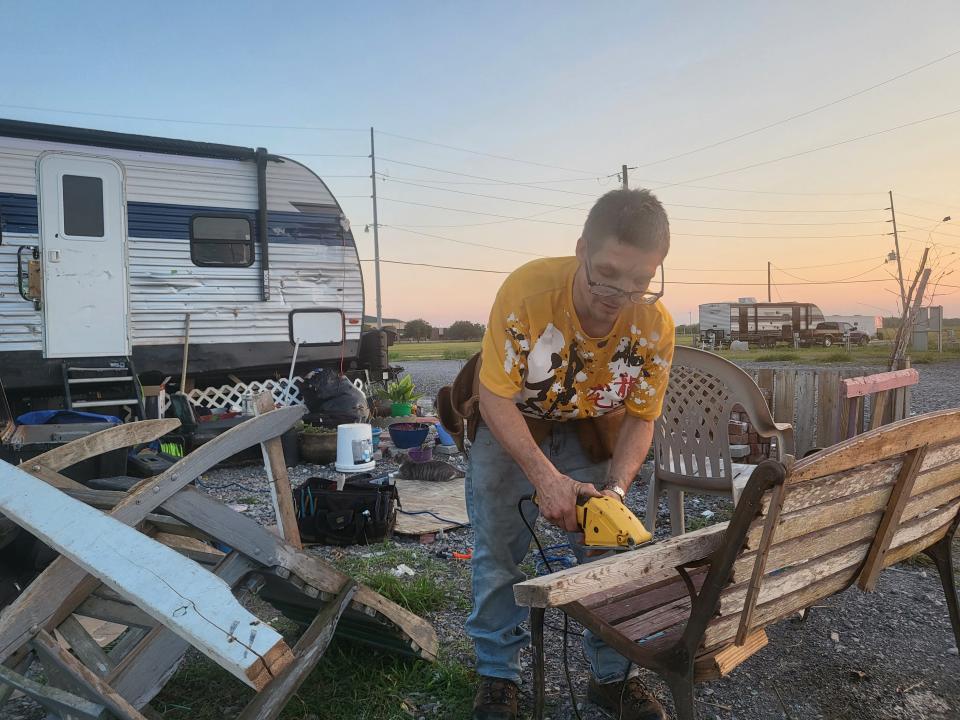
(221, 241)
(82, 206)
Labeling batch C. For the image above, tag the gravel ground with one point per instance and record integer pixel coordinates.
(881, 656)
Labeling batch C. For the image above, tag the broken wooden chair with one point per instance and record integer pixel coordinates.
(691, 438)
(692, 608)
(167, 602)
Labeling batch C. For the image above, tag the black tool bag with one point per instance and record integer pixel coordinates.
(365, 511)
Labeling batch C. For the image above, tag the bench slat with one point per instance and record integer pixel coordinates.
(723, 629)
(931, 489)
(647, 600)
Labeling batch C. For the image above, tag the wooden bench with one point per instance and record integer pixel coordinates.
(695, 606)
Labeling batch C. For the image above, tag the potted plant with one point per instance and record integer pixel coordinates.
(402, 395)
(318, 445)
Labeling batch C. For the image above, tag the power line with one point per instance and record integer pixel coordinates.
(851, 277)
(477, 212)
(669, 282)
(183, 121)
(811, 150)
(462, 242)
(703, 207)
(482, 154)
(801, 114)
(440, 267)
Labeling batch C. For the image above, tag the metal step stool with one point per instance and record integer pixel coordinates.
(92, 383)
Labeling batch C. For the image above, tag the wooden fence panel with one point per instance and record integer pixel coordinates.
(785, 396)
(828, 407)
(804, 427)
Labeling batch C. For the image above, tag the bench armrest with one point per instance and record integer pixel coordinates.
(566, 586)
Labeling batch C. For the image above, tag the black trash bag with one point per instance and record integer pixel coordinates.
(334, 398)
(365, 511)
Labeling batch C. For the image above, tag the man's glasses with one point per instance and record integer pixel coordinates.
(637, 297)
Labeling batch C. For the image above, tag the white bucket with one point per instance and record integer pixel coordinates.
(355, 448)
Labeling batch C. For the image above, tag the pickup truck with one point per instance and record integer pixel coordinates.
(829, 333)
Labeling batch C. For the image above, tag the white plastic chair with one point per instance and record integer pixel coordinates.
(691, 440)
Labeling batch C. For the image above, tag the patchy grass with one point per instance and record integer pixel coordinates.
(434, 350)
(777, 357)
(837, 356)
(425, 592)
(351, 682)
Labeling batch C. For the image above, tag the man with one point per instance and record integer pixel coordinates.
(569, 340)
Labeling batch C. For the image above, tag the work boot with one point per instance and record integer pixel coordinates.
(638, 702)
(496, 700)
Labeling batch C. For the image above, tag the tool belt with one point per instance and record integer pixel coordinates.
(458, 407)
(364, 511)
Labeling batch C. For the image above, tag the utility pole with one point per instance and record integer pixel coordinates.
(623, 177)
(769, 296)
(376, 229)
(896, 246)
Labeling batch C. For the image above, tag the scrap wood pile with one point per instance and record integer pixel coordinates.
(133, 559)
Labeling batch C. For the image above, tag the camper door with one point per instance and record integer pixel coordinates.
(83, 255)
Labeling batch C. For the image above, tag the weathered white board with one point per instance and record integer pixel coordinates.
(172, 589)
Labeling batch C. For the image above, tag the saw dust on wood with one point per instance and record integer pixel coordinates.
(445, 500)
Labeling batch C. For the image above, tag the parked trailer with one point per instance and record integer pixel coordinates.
(109, 241)
(763, 324)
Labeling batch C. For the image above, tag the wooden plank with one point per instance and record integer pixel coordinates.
(890, 522)
(98, 443)
(765, 383)
(62, 586)
(113, 611)
(61, 702)
(843, 484)
(785, 396)
(828, 407)
(760, 562)
(211, 518)
(569, 585)
(870, 384)
(720, 663)
(192, 548)
(127, 642)
(250, 538)
(445, 499)
(50, 650)
(172, 589)
(910, 549)
(722, 630)
(143, 672)
(812, 545)
(803, 430)
(846, 560)
(889, 440)
(933, 489)
(277, 479)
(878, 408)
(85, 647)
(269, 703)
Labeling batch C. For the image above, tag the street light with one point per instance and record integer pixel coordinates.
(930, 233)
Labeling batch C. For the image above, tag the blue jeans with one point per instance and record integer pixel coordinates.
(494, 486)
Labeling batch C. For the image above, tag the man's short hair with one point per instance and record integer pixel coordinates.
(633, 217)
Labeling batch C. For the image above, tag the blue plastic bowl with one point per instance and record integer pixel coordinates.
(408, 435)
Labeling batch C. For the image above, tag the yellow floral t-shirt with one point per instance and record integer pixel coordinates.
(536, 353)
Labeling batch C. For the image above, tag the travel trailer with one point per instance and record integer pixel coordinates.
(149, 250)
(763, 324)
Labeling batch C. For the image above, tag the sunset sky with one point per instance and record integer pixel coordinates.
(564, 93)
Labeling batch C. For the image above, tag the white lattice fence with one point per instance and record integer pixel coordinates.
(229, 396)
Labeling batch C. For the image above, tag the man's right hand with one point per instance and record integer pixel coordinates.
(557, 498)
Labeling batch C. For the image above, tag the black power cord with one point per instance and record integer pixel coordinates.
(566, 618)
(566, 622)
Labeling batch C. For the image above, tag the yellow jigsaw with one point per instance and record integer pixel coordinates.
(608, 524)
